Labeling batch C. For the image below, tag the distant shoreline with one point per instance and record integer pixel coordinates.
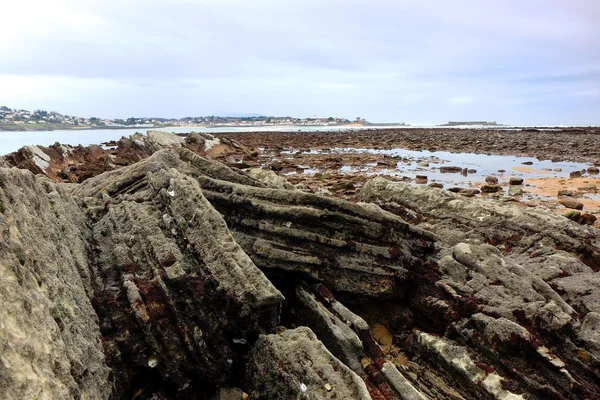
(5, 128)
(53, 127)
(61, 127)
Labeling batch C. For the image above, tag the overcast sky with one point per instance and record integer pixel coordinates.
(419, 61)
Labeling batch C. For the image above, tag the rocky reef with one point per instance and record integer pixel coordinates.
(167, 274)
(520, 292)
(65, 163)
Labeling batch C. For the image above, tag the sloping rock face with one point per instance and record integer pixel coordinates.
(354, 248)
(64, 163)
(518, 295)
(50, 342)
(179, 299)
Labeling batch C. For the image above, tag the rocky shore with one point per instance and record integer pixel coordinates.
(572, 144)
(166, 267)
(532, 168)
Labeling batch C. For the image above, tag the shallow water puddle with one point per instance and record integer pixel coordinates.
(542, 178)
(484, 165)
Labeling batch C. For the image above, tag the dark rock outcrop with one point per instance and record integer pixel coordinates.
(64, 163)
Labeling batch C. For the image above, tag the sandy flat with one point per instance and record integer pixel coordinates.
(549, 187)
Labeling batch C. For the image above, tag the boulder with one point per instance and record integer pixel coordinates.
(450, 169)
(515, 191)
(593, 170)
(570, 202)
(295, 365)
(581, 218)
(490, 188)
(491, 180)
(565, 192)
(421, 179)
(514, 181)
(469, 192)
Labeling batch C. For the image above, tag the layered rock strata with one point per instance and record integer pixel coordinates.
(519, 294)
(161, 299)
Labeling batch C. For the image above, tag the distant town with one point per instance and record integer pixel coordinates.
(13, 119)
(21, 120)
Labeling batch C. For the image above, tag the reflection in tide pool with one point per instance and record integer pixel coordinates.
(484, 165)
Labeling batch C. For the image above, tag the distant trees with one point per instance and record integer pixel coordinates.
(4, 108)
(39, 114)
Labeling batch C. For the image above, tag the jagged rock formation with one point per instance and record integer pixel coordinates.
(176, 300)
(354, 248)
(64, 163)
(174, 279)
(518, 294)
(180, 277)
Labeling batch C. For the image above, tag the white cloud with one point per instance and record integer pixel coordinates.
(26, 22)
(21, 88)
(460, 100)
(382, 59)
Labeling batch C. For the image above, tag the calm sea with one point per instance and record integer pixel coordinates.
(12, 141)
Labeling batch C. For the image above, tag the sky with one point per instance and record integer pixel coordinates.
(418, 61)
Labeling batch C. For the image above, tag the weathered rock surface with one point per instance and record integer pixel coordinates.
(162, 299)
(296, 365)
(516, 286)
(173, 278)
(350, 247)
(50, 342)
